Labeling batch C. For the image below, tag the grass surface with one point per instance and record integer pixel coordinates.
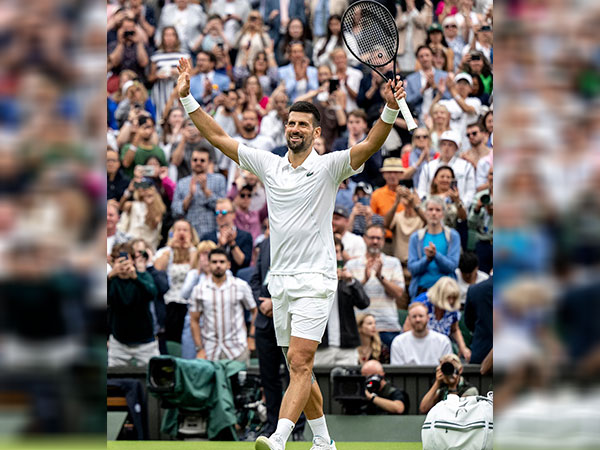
(204, 445)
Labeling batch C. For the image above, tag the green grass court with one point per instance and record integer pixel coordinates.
(203, 445)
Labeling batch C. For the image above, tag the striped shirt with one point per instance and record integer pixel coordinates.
(222, 307)
(162, 88)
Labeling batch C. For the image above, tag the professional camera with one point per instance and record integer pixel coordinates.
(486, 199)
(348, 389)
(373, 383)
(448, 369)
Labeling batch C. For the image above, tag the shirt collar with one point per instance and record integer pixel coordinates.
(308, 163)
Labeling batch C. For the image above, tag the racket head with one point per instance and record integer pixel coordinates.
(370, 33)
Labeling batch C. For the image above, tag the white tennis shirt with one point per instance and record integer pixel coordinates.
(301, 203)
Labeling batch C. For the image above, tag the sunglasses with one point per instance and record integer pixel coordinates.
(198, 160)
(245, 195)
(451, 26)
(472, 133)
(421, 136)
(221, 211)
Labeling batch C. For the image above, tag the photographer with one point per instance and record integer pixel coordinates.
(481, 220)
(382, 397)
(448, 380)
(128, 51)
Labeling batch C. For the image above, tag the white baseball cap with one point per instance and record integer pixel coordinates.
(464, 76)
(452, 136)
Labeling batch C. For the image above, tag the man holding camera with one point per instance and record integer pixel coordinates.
(128, 51)
(448, 380)
(481, 220)
(382, 397)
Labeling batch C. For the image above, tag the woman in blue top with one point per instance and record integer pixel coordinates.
(442, 301)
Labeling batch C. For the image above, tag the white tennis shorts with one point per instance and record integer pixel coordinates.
(301, 305)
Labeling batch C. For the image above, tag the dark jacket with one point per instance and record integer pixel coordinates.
(478, 318)
(259, 289)
(115, 188)
(161, 281)
(243, 241)
(350, 295)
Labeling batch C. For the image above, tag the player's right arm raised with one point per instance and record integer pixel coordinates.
(209, 128)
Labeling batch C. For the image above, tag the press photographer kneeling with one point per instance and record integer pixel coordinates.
(381, 396)
(448, 380)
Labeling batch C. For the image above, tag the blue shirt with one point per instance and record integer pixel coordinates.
(444, 325)
(433, 272)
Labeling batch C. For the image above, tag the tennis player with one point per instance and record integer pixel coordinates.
(301, 188)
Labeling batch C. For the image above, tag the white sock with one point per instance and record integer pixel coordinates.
(284, 428)
(319, 428)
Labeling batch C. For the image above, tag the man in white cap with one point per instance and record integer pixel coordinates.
(463, 170)
(463, 109)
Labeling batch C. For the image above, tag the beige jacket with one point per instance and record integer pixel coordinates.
(421, 21)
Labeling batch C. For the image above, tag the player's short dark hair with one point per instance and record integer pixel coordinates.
(421, 47)
(307, 107)
(218, 251)
(468, 262)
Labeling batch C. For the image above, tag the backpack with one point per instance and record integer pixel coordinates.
(460, 423)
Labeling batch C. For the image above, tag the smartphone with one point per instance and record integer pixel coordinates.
(123, 255)
(365, 201)
(142, 120)
(453, 184)
(334, 84)
(340, 264)
(148, 171)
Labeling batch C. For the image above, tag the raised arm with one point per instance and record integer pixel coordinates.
(209, 128)
(362, 151)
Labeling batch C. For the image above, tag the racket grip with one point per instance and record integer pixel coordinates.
(406, 115)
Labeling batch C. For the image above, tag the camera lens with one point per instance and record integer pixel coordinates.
(485, 199)
(448, 369)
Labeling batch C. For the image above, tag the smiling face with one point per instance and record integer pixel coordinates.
(300, 132)
(442, 180)
(418, 318)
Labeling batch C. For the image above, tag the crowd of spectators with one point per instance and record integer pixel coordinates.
(418, 217)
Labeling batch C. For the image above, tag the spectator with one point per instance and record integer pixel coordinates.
(446, 384)
(272, 125)
(142, 218)
(354, 245)
(369, 94)
(477, 64)
(234, 13)
(453, 39)
(326, 44)
(296, 32)
(433, 251)
(320, 146)
(264, 67)
(191, 140)
(420, 85)
(159, 176)
(341, 338)
(205, 85)
(251, 41)
(130, 291)
(443, 186)
(237, 244)
(248, 134)
(245, 219)
(116, 179)
(196, 195)
(482, 42)
(478, 319)
(371, 346)
(212, 36)
(412, 24)
(299, 76)
(383, 397)
(488, 125)
(163, 68)
(259, 199)
(277, 15)
(176, 259)
(114, 236)
(141, 147)
(349, 78)
(422, 143)
(420, 346)
(134, 102)
(463, 171)
(226, 117)
(253, 97)
(481, 221)
(468, 274)
(222, 336)
(383, 281)
(478, 92)
(171, 127)
(129, 50)
(478, 149)
(439, 121)
(443, 305)
(361, 215)
(187, 17)
(437, 43)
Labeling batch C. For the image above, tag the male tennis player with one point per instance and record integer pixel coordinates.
(301, 189)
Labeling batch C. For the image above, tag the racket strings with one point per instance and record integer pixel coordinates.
(370, 33)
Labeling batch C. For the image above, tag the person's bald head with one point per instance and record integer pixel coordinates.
(372, 367)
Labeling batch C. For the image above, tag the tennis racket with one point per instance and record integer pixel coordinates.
(370, 33)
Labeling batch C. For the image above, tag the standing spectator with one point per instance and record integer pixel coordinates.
(212, 37)
(234, 13)
(222, 336)
(187, 17)
(253, 96)
(141, 147)
(433, 251)
(273, 124)
(354, 245)
(477, 64)
(341, 338)
(264, 67)
(468, 274)
(349, 78)
(478, 149)
(176, 259)
(130, 291)
(420, 85)
(453, 39)
(278, 13)
(463, 171)
(481, 220)
(114, 236)
(439, 121)
(251, 41)
(478, 318)
(421, 143)
(129, 50)
(196, 195)
(455, 215)
(245, 219)
(299, 76)
(237, 244)
(420, 346)
(190, 141)
(206, 84)
(296, 32)
(116, 179)
(163, 68)
(326, 44)
(442, 301)
(132, 105)
(437, 43)
(383, 281)
(370, 346)
(412, 26)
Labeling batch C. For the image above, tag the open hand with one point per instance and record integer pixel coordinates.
(183, 82)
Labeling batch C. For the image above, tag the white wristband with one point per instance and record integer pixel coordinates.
(389, 115)
(189, 103)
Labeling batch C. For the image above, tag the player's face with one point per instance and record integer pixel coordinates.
(300, 132)
(218, 265)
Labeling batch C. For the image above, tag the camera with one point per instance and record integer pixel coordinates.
(448, 369)
(453, 184)
(334, 84)
(373, 383)
(128, 33)
(348, 389)
(475, 57)
(486, 199)
(364, 201)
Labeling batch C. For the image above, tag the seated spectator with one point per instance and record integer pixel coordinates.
(453, 39)
(371, 347)
(187, 17)
(250, 42)
(114, 236)
(443, 306)
(135, 98)
(234, 13)
(141, 146)
(382, 397)
(369, 94)
(437, 122)
(273, 124)
(299, 76)
(143, 216)
(236, 243)
(326, 44)
(478, 149)
(264, 67)
(420, 346)
(171, 128)
(468, 274)
(222, 336)
(116, 179)
(341, 338)
(207, 83)
(190, 141)
(130, 291)
(433, 251)
(447, 383)
(478, 319)
(354, 245)
(245, 219)
(159, 176)
(445, 187)
(412, 28)
(422, 152)
(212, 36)
(128, 52)
(481, 221)
(348, 77)
(296, 31)
(253, 97)
(245, 178)
(476, 64)
(362, 215)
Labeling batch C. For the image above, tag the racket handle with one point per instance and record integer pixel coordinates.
(406, 115)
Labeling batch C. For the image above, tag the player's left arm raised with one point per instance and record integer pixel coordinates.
(362, 151)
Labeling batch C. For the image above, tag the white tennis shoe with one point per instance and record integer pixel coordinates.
(320, 443)
(269, 443)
